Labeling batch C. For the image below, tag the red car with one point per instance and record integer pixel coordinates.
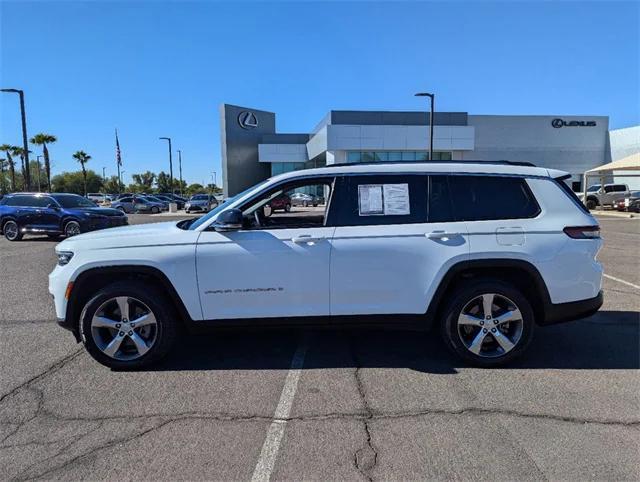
(282, 202)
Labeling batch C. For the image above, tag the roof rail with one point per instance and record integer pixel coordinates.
(375, 163)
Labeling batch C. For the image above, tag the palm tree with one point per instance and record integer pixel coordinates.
(19, 151)
(82, 157)
(8, 150)
(42, 140)
(3, 184)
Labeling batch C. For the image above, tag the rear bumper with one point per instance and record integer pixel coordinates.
(561, 312)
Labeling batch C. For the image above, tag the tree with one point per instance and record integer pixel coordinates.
(162, 182)
(19, 151)
(74, 182)
(111, 185)
(82, 157)
(42, 140)
(145, 180)
(195, 189)
(3, 184)
(8, 150)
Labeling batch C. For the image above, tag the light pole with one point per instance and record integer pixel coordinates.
(180, 164)
(120, 179)
(170, 163)
(432, 98)
(38, 167)
(25, 144)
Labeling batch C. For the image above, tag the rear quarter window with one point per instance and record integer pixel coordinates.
(482, 198)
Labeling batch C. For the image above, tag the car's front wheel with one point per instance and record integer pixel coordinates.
(487, 323)
(72, 228)
(11, 231)
(128, 325)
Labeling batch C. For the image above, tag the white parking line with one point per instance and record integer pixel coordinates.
(271, 445)
(621, 281)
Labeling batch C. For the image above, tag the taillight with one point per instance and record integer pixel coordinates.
(582, 232)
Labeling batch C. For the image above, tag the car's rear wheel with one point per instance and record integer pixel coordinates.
(488, 323)
(72, 228)
(591, 204)
(128, 325)
(11, 231)
(155, 210)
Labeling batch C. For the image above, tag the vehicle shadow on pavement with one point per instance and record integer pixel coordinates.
(608, 340)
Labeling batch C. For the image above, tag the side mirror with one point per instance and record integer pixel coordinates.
(229, 220)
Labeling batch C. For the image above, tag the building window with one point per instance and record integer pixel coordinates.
(282, 167)
(383, 156)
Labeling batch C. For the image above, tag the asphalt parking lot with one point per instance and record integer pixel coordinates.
(362, 404)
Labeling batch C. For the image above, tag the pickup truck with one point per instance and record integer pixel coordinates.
(597, 195)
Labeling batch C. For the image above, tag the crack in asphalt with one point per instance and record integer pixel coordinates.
(365, 458)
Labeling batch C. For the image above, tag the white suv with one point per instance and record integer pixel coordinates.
(486, 251)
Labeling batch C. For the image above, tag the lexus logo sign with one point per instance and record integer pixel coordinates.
(247, 120)
(558, 123)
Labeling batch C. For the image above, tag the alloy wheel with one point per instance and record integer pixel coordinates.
(72, 229)
(11, 230)
(124, 328)
(490, 325)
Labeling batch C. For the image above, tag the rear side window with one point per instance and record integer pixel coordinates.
(481, 198)
(373, 200)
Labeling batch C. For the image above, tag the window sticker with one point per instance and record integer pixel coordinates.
(383, 199)
(370, 200)
(396, 199)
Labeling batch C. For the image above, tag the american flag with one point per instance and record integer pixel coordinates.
(118, 157)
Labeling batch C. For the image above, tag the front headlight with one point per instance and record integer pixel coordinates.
(64, 257)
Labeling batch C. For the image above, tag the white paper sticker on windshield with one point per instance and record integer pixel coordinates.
(396, 199)
(383, 199)
(370, 200)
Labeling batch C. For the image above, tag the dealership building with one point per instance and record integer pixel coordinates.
(253, 150)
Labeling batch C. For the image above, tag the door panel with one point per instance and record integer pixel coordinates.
(264, 273)
(392, 268)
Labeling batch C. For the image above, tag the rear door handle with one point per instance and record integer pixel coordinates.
(305, 238)
(440, 235)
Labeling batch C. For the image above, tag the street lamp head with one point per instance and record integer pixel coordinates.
(165, 138)
(11, 90)
(424, 94)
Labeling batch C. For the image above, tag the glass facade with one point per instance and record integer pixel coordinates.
(282, 167)
(382, 156)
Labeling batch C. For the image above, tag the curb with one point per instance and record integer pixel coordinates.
(615, 215)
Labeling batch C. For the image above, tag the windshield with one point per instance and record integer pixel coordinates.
(222, 206)
(199, 197)
(73, 201)
(594, 188)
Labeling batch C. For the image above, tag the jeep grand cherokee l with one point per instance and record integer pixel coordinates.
(485, 251)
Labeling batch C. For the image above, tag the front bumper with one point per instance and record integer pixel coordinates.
(561, 312)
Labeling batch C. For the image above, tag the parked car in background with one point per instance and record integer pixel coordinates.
(54, 215)
(281, 203)
(606, 195)
(304, 199)
(200, 203)
(138, 204)
(630, 203)
(179, 200)
(156, 199)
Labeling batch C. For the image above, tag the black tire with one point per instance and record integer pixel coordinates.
(72, 228)
(166, 323)
(591, 204)
(464, 295)
(13, 232)
(155, 210)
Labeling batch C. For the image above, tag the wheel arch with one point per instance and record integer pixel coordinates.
(522, 274)
(88, 282)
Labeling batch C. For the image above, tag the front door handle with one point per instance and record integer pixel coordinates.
(440, 235)
(305, 238)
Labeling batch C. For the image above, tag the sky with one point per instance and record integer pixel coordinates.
(152, 69)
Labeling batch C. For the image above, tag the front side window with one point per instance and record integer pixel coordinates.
(480, 198)
(376, 199)
(298, 204)
(73, 201)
